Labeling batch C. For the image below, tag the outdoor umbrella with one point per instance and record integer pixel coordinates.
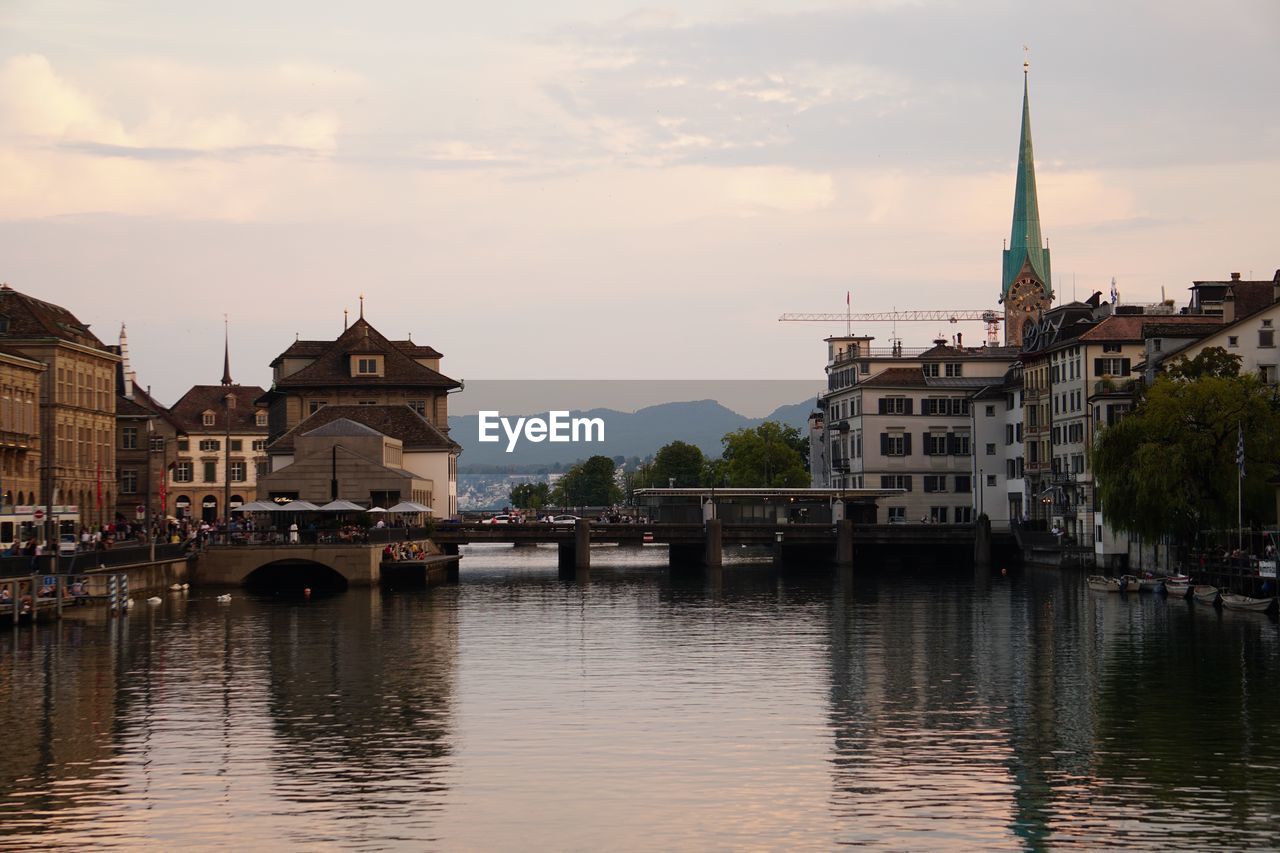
(410, 507)
(298, 506)
(257, 506)
(341, 506)
(374, 509)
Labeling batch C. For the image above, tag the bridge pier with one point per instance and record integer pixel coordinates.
(575, 556)
(712, 546)
(844, 544)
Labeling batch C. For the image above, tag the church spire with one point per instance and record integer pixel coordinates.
(226, 353)
(1026, 245)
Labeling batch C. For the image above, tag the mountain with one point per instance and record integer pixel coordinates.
(639, 433)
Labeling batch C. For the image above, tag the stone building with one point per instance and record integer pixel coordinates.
(77, 406)
(146, 440)
(393, 387)
(220, 449)
(20, 380)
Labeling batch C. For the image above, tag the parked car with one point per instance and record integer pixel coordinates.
(563, 519)
(502, 518)
(67, 543)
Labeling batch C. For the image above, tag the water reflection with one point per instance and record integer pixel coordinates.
(904, 709)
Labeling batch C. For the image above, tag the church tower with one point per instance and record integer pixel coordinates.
(1026, 287)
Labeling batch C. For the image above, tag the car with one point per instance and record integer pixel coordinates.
(67, 543)
(502, 518)
(563, 519)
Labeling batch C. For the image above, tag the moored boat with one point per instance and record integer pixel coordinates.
(1234, 601)
(1150, 584)
(1204, 593)
(1098, 583)
(1128, 583)
(1177, 588)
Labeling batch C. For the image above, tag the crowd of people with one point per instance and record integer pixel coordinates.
(403, 551)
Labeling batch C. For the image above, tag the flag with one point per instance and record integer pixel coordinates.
(848, 298)
(1115, 294)
(1240, 449)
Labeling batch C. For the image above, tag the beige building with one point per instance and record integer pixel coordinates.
(20, 380)
(77, 406)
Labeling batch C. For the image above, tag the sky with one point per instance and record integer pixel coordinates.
(572, 189)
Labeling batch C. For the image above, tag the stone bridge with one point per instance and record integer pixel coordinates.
(339, 565)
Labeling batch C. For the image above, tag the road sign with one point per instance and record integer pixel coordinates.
(140, 511)
(38, 515)
(50, 580)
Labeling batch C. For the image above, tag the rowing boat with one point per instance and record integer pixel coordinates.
(1204, 593)
(1233, 601)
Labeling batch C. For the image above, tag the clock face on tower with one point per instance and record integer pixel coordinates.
(1025, 300)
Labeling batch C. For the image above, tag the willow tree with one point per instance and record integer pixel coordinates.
(1169, 467)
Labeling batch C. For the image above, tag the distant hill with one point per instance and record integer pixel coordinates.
(639, 433)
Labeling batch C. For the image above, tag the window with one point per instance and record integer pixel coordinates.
(991, 480)
(864, 367)
(1233, 341)
(314, 406)
(1266, 337)
(991, 411)
(236, 445)
(208, 419)
(959, 443)
(182, 472)
(210, 445)
(367, 402)
(1267, 373)
(1008, 434)
(895, 406)
(955, 369)
(184, 444)
(895, 444)
(1157, 345)
(1111, 367)
(1009, 469)
(897, 514)
(935, 444)
(157, 444)
(366, 366)
(128, 482)
(937, 515)
(930, 369)
(128, 438)
(238, 470)
(262, 469)
(260, 418)
(210, 472)
(419, 406)
(991, 450)
(1111, 348)
(964, 484)
(896, 481)
(259, 444)
(964, 515)
(935, 482)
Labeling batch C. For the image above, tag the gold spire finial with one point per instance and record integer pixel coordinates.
(1026, 59)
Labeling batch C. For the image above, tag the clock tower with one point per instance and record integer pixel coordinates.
(1026, 287)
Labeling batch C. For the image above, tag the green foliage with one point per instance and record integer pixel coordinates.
(1170, 466)
(1211, 362)
(769, 455)
(680, 462)
(530, 495)
(588, 483)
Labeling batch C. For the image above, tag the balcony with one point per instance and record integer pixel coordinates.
(1107, 387)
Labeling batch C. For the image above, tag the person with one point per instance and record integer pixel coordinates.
(380, 525)
(293, 533)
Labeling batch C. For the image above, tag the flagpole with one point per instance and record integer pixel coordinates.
(1240, 487)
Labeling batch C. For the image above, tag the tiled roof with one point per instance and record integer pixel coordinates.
(343, 427)
(896, 377)
(946, 351)
(34, 318)
(1180, 330)
(413, 350)
(1250, 297)
(331, 366)
(1128, 327)
(401, 422)
(188, 412)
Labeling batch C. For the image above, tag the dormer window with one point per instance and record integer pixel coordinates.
(260, 418)
(208, 419)
(367, 365)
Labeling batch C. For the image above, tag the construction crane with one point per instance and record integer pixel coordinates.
(991, 318)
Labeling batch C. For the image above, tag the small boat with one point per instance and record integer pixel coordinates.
(1128, 583)
(1233, 601)
(1204, 593)
(1177, 588)
(1150, 584)
(1098, 583)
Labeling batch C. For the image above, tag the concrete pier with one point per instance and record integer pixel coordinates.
(712, 550)
(844, 544)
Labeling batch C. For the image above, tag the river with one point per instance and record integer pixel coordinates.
(902, 709)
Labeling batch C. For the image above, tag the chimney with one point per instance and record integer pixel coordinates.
(1235, 276)
(959, 340)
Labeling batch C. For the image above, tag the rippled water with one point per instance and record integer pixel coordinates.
(641, 710)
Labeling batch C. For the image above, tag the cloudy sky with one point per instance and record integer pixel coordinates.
(594, 189)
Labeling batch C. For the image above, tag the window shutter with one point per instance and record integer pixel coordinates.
(927, 448)
(1098, 369)
(884, 405)
(906, 442)
(1124, 366)
(884, 441)
(909, 407)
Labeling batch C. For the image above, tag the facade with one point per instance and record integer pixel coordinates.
(393, 387)
(20, 381)
(220, 450)
(146, 439)
(1026, 288)
(1250, 316)
(76, 407)
(999, 460)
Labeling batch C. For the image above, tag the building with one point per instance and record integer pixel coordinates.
(146, 440)
(1026, 286)
(220, 448)
(999, 459)
(76, 407)
(345, 460)
(392, 387)
(20, 381)
(1248, 317)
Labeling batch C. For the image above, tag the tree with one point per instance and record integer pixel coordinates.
(1213, 361)
(530, 495)
(588, 483)
(680, 462)
(1170, 466)
(766, 456)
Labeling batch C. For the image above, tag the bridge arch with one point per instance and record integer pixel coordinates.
(292, 576)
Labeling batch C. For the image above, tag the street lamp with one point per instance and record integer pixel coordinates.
(226, 486)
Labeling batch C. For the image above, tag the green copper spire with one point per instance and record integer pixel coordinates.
(1025, 242)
